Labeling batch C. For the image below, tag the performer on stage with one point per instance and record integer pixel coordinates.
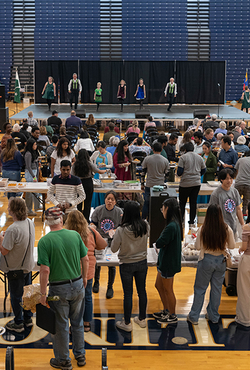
(98, 95)
(171, 92)
(246, 101)
(75, 89)
(49, 91)
(121, 93)
(140, 93)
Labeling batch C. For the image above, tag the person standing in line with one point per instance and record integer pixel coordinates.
(122, 161)
(121, 93)
(212, 240)
(170, 92)
(49, 91)
(98, 95)
(242, 181)
(17, 258)
(131, 240)
(63, 261)
(75, 90)
(246, 102)
(140, 93)
(169, 260)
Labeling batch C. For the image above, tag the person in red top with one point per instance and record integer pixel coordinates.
(93, 240)
(122, 160)
(116, 129)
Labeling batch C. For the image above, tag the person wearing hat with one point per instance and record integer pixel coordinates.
(63, 261)
(241, 147)
(55, 121)
(74, 89)
(198, 142)
(66, 190)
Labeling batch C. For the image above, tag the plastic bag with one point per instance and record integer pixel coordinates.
(31, 297)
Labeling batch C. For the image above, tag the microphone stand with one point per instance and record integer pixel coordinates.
(219, 94)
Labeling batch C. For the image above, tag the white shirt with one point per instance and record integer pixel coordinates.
(166, 88)
(60, 159)
(84, 144)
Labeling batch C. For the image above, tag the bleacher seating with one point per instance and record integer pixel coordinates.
(6, 26)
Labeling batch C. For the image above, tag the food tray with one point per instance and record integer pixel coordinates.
(3, 182)
(214, 183)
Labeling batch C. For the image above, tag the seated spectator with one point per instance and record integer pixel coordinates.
(139, 144)
(110, 133)
(216, 145)
(209, 135)
(198, 142)
(236, 132)
(231, 135)
(62, 133)
(222, 128)
(84, 142)
(170, 148)
(90, 120)
(228, 156)
(212, 123)
(55, 120)
(48, 128)
(243, 128)
(113, 143)
(134, 127)
(52, 147)
(24, 128)
(149, 123)
(21, 137)
(73, 121)
(196, 126)
(31, 120)
(7, 128)
(241, 147)
(116, 129)
(43, 137)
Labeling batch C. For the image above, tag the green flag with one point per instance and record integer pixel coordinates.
(17, 90)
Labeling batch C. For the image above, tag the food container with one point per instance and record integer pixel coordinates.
(3, 182)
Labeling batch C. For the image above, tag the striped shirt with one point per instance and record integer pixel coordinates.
(68, 190)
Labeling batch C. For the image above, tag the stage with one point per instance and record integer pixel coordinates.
(180, 113)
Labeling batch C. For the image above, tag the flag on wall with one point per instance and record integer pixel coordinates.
(17, 89)
(246, 80)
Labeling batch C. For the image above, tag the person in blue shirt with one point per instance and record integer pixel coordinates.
(227, 156)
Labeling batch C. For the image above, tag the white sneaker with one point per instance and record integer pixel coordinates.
(121, 325)
(141, 323)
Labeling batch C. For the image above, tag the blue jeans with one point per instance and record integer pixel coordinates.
(145, 209)
(138, 270)
(13, 176)
(16, 295)
(209, 270)
(29, 197)
(88, 312)
(70, 306)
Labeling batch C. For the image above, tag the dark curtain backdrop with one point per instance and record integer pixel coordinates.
(197, 81)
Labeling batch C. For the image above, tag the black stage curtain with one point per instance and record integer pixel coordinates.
(197, 81)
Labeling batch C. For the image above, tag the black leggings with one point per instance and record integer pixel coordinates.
(49, 102)
(191, 193)
(121, 100)
(88, 188)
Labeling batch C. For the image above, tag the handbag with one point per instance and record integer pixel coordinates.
(18, 274)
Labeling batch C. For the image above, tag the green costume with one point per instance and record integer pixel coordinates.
(245, 103)
(49, 91)
(98, 95)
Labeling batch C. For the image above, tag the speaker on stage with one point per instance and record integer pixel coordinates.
(201, 113)
(142, 113)
(4, 117)
(2, 96)
(81, 113)
(156, 219)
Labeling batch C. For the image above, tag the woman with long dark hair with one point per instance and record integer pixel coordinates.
(83, 169)
(131, 240)
(62, 152)
(169, 260)
(31, 173)
(12, 163)
(213, 238)
(122, 161)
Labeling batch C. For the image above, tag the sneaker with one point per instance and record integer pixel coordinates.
(110, 293)
(28, 322)
(168, 319)
(64, 365)
(18, 328)
(95, 288)
(191, 321)
(141, 323)
(121, 325)
(158, 315)
(207, 318)
(81, 360)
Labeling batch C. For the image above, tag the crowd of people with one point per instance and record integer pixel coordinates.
(66, 254)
